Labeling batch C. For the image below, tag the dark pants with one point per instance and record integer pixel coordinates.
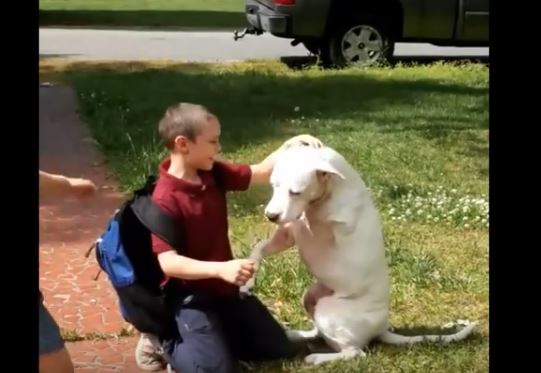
(50, 339)
(217, 333)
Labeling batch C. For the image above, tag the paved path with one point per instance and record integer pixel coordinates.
(78, 302)
(81, 44)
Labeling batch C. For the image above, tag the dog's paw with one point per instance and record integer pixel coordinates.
(245, 294)
(314, 359)
(246, 289)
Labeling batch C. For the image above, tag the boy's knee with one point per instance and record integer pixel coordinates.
(190, 363)
(188, 358)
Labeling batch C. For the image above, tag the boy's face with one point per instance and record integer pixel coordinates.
(201, 153)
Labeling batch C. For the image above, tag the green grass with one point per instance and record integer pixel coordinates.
(418, 135)
(70, 335)
(143, 13)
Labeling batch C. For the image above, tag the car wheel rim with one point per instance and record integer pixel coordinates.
(362, 45)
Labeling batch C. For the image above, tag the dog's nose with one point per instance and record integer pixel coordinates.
(272, 217)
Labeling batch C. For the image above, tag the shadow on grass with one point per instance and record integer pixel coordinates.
(427, 60)
(304, 62)
(262, 105)
(46, 56)
(142, 18)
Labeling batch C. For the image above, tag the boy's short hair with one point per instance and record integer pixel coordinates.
(183, 119)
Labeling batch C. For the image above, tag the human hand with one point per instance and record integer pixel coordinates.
(82, 188)
(237, 271)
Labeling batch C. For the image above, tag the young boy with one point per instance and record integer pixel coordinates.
(217, 327)
(53, 356)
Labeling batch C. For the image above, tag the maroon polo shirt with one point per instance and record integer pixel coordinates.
(201, 212)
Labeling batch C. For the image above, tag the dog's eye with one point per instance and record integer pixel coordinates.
(292, 193)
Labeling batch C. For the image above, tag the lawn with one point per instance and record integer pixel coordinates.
(143, 13)
(418, 135)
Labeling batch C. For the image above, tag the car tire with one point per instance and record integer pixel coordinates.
(362, 42)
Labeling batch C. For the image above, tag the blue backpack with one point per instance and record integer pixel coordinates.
(124, 253)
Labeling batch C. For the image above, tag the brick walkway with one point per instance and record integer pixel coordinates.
(67, 228)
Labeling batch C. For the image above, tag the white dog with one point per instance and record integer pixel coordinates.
(322, 206)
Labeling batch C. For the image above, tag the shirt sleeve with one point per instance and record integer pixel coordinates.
(169, 207)
(232, 177)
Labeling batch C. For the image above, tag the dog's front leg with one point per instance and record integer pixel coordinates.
(256, 255)
(281, 240)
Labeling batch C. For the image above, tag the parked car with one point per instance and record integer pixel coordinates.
(344, 32)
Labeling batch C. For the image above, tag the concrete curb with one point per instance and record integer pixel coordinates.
(142, 28)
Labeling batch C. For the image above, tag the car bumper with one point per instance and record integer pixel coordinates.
(266, 19)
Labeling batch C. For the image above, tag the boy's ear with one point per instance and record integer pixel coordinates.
(180, 143)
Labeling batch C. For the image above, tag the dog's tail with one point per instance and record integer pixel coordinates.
(397, 339)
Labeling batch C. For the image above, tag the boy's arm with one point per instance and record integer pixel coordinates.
(60, 185)
(50, 184)
(261, 171)
(236, 271)
(175, 265)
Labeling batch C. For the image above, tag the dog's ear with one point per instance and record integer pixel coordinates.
(324, 168)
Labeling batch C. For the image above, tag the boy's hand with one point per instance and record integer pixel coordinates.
(237, 271)
(82, 188)
(303, 140)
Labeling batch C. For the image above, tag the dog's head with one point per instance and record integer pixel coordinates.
(301, 177)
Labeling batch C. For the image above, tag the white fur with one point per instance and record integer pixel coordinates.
(340, 240)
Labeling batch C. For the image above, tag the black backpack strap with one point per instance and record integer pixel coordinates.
(156, 220)
(147, 188)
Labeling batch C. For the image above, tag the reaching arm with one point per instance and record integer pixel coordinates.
(50, 184)
(55, 185)
(236, 271)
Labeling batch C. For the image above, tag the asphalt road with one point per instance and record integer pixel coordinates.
(84, 44)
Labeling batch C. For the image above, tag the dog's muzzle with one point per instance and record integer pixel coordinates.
(272, 217)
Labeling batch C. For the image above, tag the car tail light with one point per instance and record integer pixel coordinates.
(284, 2)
